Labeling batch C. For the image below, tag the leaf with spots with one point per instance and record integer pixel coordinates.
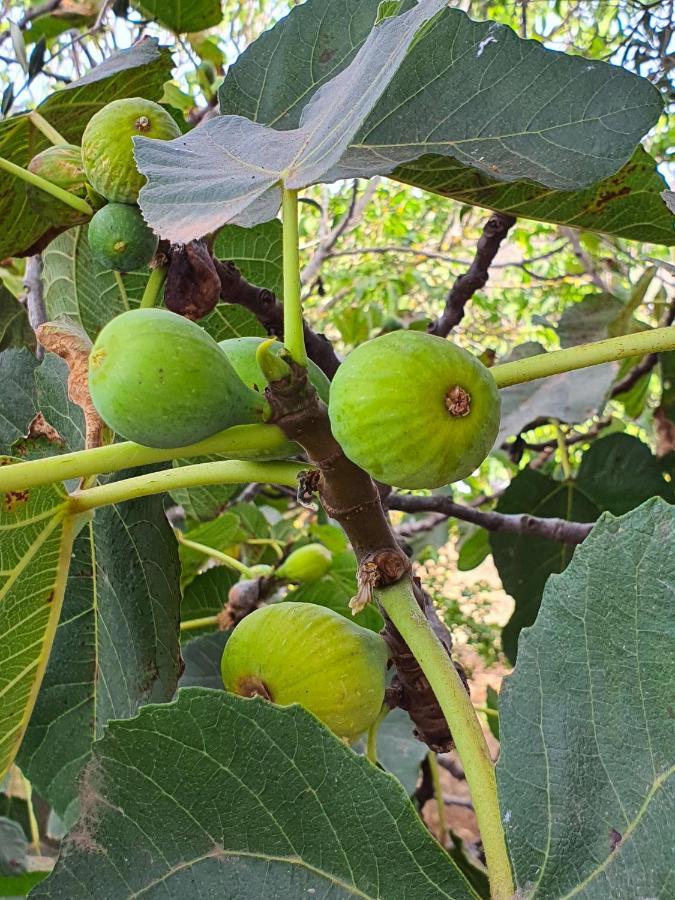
(179, 802)
(586, 765)
(36, 537)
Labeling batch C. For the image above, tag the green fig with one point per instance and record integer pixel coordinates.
(241, 352)
(120, 239)
(160, 380)
(108, 150)
(308, 654)
(414, 410)
(62, 165)
(308, 563)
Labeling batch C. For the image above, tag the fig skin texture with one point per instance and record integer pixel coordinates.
(308, 563)
(162, 381)
(62, 165)
(108, 150)
(241, 353)
(307, 654)
(414, 410)
(120, 239)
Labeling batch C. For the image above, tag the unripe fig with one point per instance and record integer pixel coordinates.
(162, 381)
(414, 410)
(62, 165)
(120, 239)
(308, 563)
(108, 150)
(307, 654)
(241, 352)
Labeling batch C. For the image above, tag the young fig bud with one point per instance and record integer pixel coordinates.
(308, 563)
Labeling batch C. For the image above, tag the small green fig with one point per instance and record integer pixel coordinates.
(120, 239)
(108, 150)
(414, 410)
(62, 165)
(160, 380)
(308, 563)
(241, 352)
(311, 655)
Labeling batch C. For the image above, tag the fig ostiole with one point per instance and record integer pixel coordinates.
(308, 563)
(60, 164)
(108, 150)
(302, 653)
(414, 410)
(160, 380)
(120, 239)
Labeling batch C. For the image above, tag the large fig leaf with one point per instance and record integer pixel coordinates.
(587, 734)
(179, 802)
(275, 77)
(140, 70)
(470, 90)
(36, 537)
(180, 16)
(17, 401)
(617, 474)
(15, 329)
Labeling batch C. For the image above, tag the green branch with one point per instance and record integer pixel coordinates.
(224, 558)
(47, 186)
(294, 337)
(44, 126)
(227, 472)
(544, 364)
(236, 442)
(399, 602)
(153, 286)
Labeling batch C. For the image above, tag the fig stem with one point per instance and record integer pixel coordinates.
(294, 337)
(121, 288)
(37, 181)
(656, 340)
(563, 451)
(224, 558)
(205, 622)
(45, 128)
(438, 796)
(398, 601)
(234, 442)
(373, 731)
(153, 286)
(225, 472)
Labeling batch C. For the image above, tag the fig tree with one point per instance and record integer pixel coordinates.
(120, 239)
(311, 655)
(62, 165)
(108, 150)
(160, 380)
(308, 563)
(414, 410)
(241, 352)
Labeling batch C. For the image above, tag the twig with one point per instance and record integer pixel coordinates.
(32, 281)
(270, 313)
(585, 259)
(645, 365)
(553, 529)
(348, 221)
(495, 230)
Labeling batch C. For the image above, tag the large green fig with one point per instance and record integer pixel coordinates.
(120, 239)
(241, 352)
(308, 563)
(62, 165)
(108, 150)
(162, 381)
(414, 410)
(311, 655)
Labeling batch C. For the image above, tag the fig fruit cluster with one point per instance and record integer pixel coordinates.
(103, 171)
(414, 410)
(302, 653)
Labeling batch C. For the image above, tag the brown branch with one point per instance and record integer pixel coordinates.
(552, 528)
(270, 313)
(350, 496)
(495, 230)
